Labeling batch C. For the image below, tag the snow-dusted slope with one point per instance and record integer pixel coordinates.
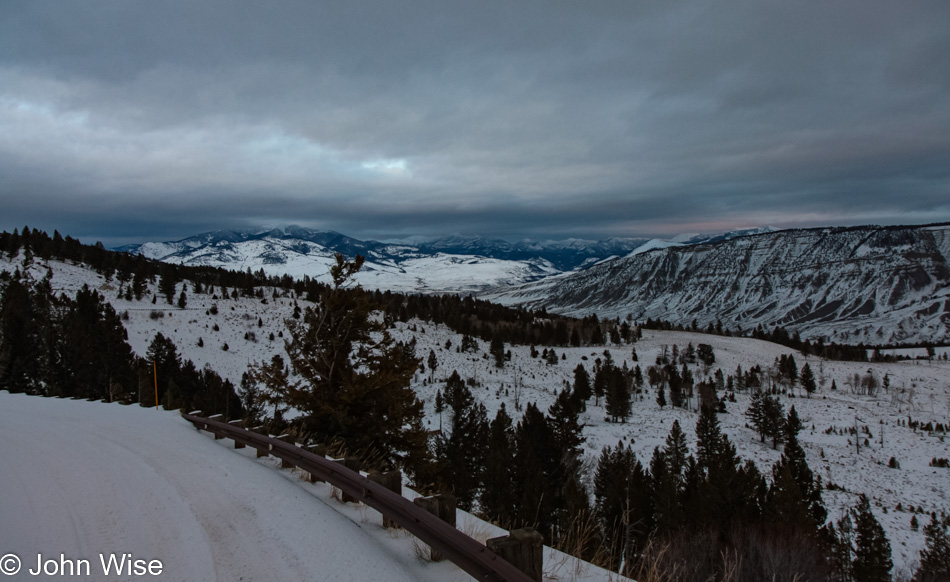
(869, 284)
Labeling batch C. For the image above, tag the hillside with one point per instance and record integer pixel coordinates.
(918, 391)
(872, 285)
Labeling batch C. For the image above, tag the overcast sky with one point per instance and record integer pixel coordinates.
(127, 121)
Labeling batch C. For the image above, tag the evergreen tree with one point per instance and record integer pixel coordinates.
(497, 501)
(432, 362)
(808, 380)
(809, 485)
(461, 453)
(726, 492)
(355, 379)
(497, 350)
(617, 394)
(621, 503)
(872, 551)
(675, 382)
(767, 417)
(935, 556)
(668, 471)
(536, 465)
(95, 359)
(582, 389)
(566, 428)
(24, 357)
(182, 299)
(163, 354)
(273, 384)
(167, 283)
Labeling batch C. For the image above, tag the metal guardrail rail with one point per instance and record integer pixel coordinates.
(466, 553)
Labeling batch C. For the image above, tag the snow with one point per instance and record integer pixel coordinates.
(87, 478)
(652, 245)
(919, 389)
(84, 478)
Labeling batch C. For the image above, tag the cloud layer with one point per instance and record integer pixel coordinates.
(132, 120)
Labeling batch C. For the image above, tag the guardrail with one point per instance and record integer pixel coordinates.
(466, 553)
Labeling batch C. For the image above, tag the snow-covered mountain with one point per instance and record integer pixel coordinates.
(448, 264)
(862, 284)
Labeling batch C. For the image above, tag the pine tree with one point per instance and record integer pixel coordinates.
(660, 395)
(273, 384)
(668, 471)
(582, 388)
(166, 364)
(726, 491)
(872, 551)
(354, 377)
(461, 453)
(167, 283)
(617, 394)
(620, 491)
(808, 380)
(24, 357)
(497, 501)
(566, 429)
(808, 485)
(935, 556)
(536, 465)
(497, 350)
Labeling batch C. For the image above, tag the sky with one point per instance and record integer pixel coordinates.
(129, 121)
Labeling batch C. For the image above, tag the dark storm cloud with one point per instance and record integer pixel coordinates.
(125, 120)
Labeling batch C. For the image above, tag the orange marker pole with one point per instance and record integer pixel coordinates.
(155, 370)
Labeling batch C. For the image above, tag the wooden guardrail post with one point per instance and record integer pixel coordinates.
(220, 418)
(261, 452)
(238, 424)
(284, 464)
(391, 480)
(443, 507)
(353, 464)
(522, 548)
(320, 451)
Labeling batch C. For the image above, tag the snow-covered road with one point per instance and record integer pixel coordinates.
(85, 478)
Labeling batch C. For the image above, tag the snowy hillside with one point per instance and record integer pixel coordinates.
(918, 391)
(869, 284)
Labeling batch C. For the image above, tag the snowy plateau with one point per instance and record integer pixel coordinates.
(190, 525)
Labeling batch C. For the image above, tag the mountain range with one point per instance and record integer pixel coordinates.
(870, 284)
(439, 265)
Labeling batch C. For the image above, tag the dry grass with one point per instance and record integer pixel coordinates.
(425, 552)
(574, 546)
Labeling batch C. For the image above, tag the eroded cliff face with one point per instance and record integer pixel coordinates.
(851, 285)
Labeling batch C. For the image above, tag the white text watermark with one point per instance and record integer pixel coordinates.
(103, 564)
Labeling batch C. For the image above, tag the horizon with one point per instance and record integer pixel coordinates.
(411, 240)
